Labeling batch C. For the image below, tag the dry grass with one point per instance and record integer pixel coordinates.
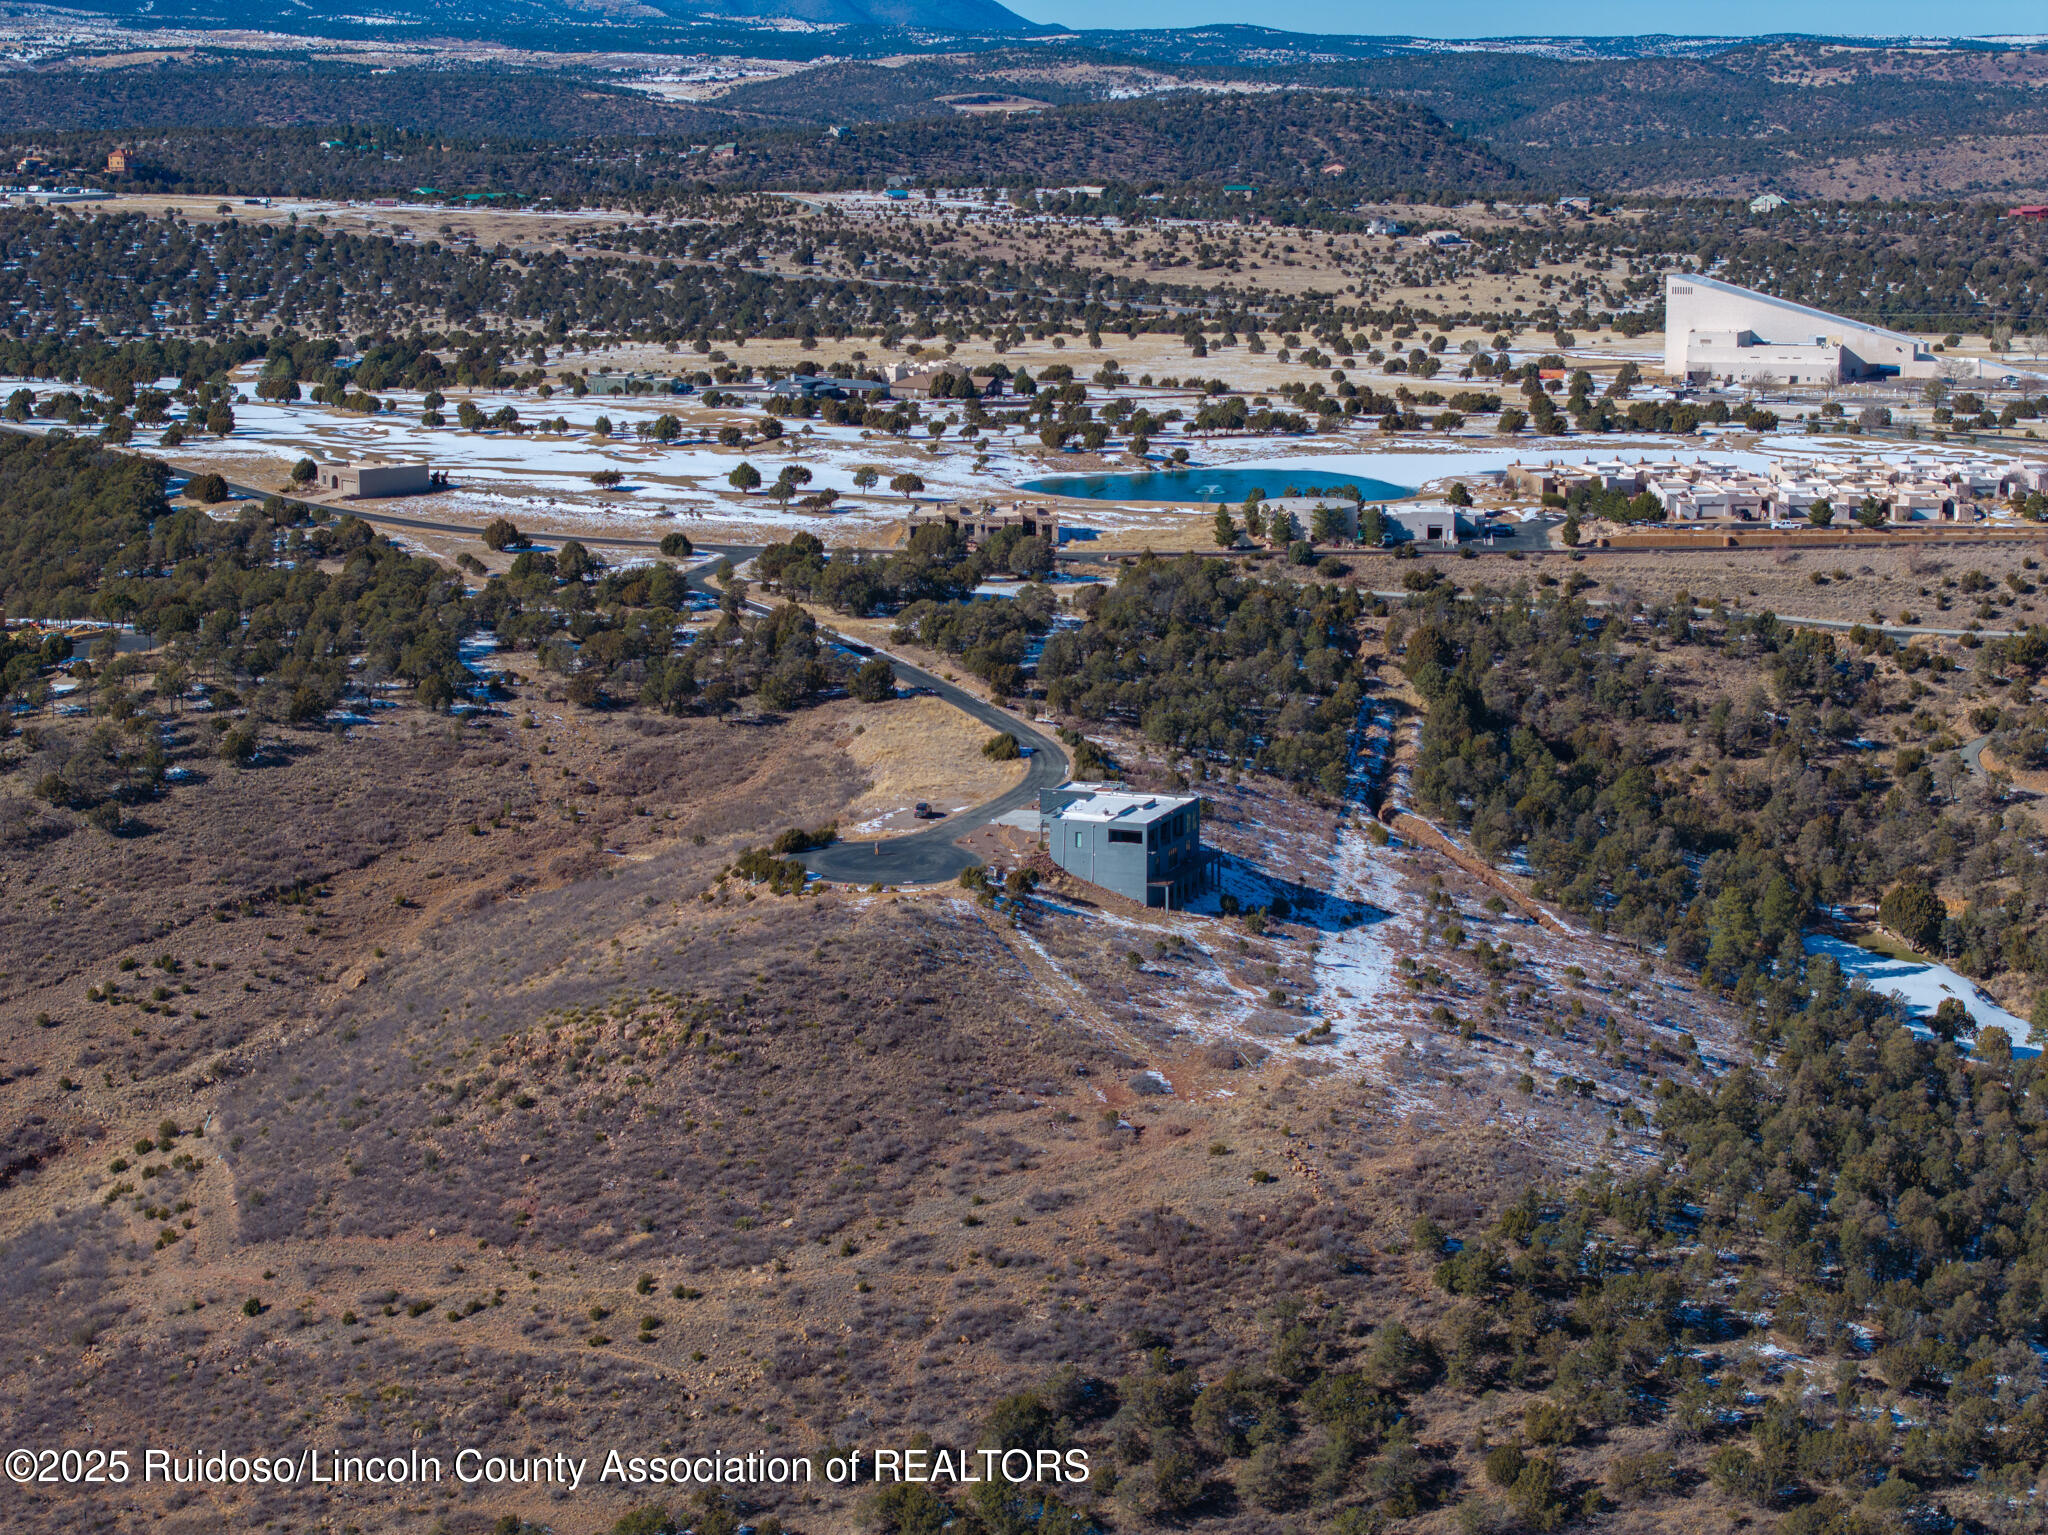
(507, 1069)
(921, 749)
(1853, 581)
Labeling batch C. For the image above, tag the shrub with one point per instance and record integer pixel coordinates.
(1547, 1423)
(210, 488)
(1266, 1480)
(907, 1508)
(797, 840)
(783, 876)
(677, 546)
(652, 1519)
(1347, 1403)
(1001, 747)
(1504, 1463)
(1827, 1515)
(1482, 1516)
(1951, 1019)
(1398, 1360)
(238, 746)
(1735, 1471)
(1022, 1422)
(500, 534)
(1637, 1478)
(1535, 1496)
(875, 681)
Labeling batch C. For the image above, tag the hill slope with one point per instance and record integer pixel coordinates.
(486, 19)
(1181, 139)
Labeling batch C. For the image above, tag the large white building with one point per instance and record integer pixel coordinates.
(1715, 331)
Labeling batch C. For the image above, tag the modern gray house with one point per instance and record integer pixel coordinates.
(1144, 847)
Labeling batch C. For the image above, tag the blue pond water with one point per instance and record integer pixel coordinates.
(1211, 485)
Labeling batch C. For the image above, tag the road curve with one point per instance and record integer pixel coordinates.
(1972, 753)
(931, 856)
(928, 857)
(934, 855)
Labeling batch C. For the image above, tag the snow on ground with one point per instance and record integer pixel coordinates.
(1921, 985)
(1407, 462)
(498, 472)
(1358, 993)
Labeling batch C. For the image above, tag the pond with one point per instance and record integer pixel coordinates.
(127, 642)
(1212, 485)
(1921, 985)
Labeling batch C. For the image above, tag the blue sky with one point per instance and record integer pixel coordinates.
(1498, 18)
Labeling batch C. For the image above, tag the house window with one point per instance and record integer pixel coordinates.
(1116, 835)
(1077, 839)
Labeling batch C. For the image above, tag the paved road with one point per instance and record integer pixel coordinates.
(927, 857)
(934, 855)
(1972, 753)
(931, 856)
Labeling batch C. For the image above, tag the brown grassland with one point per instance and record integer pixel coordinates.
(430, 1085)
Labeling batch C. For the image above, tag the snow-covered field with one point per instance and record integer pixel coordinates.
(525, 474)
(1358, 992)
(497, 472)
(1921, 986)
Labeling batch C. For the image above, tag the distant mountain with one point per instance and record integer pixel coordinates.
(965, 16)
(523, 19)
(1249, 47)
(1334, 144)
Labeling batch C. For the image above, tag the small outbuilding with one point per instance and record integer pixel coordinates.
(370, 480)
(1431, 526)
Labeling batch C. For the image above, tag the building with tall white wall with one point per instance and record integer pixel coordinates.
(1717, 331)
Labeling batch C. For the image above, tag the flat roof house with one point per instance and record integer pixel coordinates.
(1144, 847)
(1438, 525)
(978, 524)
(378, 479)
